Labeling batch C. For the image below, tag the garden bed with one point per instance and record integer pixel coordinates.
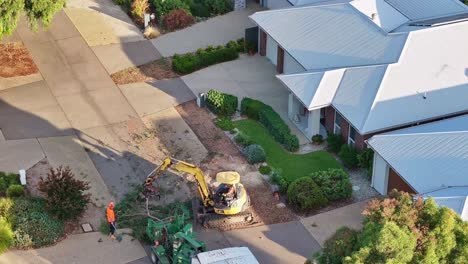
(153, 71)
(292, 166)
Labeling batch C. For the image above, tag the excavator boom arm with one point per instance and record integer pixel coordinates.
(182, 166)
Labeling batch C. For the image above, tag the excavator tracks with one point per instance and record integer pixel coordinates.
(229, 222)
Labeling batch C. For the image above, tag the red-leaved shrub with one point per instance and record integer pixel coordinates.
(177, 19)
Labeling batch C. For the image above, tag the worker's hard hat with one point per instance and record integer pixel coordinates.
(111, 205)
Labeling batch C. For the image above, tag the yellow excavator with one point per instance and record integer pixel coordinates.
(226, 207)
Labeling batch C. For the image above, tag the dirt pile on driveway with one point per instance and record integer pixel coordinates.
(15, 60)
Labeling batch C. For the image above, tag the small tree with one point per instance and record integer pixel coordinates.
(64, 194)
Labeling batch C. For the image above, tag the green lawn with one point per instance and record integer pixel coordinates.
(293, 166)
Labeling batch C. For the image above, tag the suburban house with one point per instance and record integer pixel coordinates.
(276, 4)
(430, 160)
(369, 66)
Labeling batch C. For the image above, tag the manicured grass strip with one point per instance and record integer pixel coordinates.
(293, 166)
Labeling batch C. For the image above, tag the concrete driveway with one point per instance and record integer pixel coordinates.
(249, 76)
(215, 31)
(323, 226)
(80, 249)
(277, 243)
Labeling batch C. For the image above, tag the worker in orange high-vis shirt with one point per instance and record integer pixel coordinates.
(111, 219)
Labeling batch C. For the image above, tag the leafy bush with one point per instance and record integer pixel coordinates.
(218, 7)
(221, 103)
(199, 9)
(177, 19)
(251, 108)
(265, 170)
(278, 179)
(334, 183)
(7, 179)
(164, 7)
(224, 123)
(139, 8)
(340, 245)
(15, 190)
(189, 62)
(366, 160)
(275, 125)
(278, 128)
(348, 155)
(64, 194)
(317, 139)
(6, 235)
(335, 142)
(243, 140)
(32, 226)
(305, 195)
(254, 154)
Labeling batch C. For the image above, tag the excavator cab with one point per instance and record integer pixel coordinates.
(230, 197)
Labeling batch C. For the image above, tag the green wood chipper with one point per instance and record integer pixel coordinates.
(173, 239)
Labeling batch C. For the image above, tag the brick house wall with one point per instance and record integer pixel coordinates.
(263, 44)
(329, 118)
(280, 60)
(396, 182)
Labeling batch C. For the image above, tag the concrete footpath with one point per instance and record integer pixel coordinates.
(82, 248)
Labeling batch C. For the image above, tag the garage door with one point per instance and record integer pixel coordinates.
(271, 50)
(396, 182)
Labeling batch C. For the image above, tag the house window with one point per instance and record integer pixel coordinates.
(351, 136)
(337, 125)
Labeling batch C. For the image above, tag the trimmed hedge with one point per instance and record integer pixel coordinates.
(275, 125)
(190, 62)
(221, 103)
(366, 160)
(305, 195)
(334, 183)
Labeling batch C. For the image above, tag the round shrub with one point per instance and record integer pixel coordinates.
(6, 235)
(291, 142)
(334, 183)
(15, 190)
(265, 170)
(340, 245)
(317, 139)
(254, 154)
(305, 195)
(177, 19)
(7, 179)
(243, 140)
(348, 156)
(164, 7)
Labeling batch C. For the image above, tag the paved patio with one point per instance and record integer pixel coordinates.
(249, 76)
(215, 31)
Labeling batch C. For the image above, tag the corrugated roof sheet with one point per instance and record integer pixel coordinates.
(356, 93)
(331, 36)
(384, 15)
(455, 198)
(316, 2)
(428, 162)
(314, 89)
(459, 123)
(420, 9)
(430, 79)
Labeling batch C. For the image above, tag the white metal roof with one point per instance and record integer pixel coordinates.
(330, 36)
(459, 123)
(421, 9)
(232, 255)
(455, 198)
(430, 79)
(316, 2)
(383, 14)
(427, 161)
(313, 89)
(356, 93)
